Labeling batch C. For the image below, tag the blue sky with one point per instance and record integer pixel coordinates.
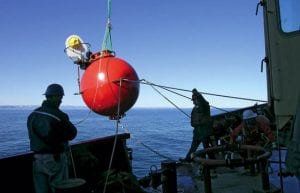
(214, 46)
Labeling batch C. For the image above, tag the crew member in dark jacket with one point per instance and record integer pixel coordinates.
(201, 122)
(49, 131)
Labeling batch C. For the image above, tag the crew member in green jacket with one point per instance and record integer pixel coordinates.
(202, 123)
(50, 131)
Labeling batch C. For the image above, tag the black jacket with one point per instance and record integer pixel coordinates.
(49, 129)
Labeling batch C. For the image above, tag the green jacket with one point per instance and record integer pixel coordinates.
(201, 120)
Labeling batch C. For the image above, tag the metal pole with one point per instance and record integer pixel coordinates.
(265, 175)
(169, 177)
(207, 179)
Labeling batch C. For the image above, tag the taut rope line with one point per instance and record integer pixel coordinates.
(116, 135)
(143, 81)
(143, 144)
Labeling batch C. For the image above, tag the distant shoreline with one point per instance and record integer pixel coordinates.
(71, 107)
(77, 107)
(34, 106)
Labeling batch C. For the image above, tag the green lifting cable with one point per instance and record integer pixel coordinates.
(107, 36)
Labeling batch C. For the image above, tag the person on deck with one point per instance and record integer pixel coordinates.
(202, 123)
(49, 131)
(255, 130)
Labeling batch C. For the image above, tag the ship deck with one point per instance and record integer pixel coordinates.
(223, 180)
(231, 180)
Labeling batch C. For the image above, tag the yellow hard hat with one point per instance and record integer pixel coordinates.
(74, 42)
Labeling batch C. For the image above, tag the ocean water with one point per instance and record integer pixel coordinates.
(156, 134)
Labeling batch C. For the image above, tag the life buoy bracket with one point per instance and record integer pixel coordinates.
(262, 153)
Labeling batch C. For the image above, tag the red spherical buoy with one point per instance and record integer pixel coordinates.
(109, 85)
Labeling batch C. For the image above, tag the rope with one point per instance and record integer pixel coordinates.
(116, 136)
(72, 160)
(143, 144)
(78, 81)
(205, 93)
(170, 101)
(94, 97)
(84, 119)
(167, 89)
(153, 86)
(107, 35)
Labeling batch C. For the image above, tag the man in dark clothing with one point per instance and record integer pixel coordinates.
(202, 123)
(49, 131)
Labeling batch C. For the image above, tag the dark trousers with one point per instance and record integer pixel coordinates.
(195, 144)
